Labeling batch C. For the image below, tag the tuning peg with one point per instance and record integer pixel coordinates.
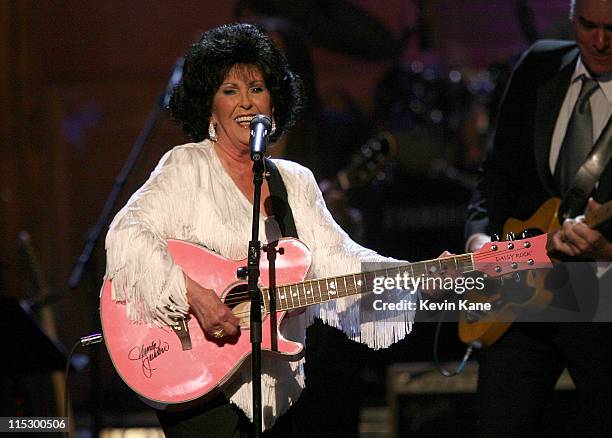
(524, 234)
(510, 236)
(495, 237)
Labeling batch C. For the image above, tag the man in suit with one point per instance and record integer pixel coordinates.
(535, 156)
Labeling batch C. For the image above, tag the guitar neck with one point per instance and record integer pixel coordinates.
(306, 293)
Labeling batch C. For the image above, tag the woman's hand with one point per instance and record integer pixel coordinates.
(215, 318)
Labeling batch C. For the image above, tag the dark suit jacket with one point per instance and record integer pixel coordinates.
(517, 178)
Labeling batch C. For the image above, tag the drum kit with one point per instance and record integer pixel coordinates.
(426, 108)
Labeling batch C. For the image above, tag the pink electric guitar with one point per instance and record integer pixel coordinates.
(179, 364)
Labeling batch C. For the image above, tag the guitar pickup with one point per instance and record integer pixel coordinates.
(181, 329)
(472, 316)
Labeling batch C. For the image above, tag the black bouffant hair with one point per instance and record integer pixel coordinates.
(208, 62)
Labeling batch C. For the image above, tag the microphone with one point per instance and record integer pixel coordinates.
(175, 79)
(260, 129)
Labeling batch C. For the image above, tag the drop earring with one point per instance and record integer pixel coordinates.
(212, 133)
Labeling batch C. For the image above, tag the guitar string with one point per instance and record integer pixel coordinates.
(241, 297)
(477, 256)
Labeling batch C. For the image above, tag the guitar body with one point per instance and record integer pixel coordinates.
(164, 370)
(487, 329)
(545, 219)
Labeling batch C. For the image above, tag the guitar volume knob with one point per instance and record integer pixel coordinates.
(470, 317)
(242, 272)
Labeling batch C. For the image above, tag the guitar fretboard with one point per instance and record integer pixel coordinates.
(297, 295)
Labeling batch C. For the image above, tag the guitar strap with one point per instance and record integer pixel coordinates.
(575, 199)
(280, 203)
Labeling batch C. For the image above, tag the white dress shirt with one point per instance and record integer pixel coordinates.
(601, 109)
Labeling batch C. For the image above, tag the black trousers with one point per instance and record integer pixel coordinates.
(216, 419)
(518, 374)
(220, 419)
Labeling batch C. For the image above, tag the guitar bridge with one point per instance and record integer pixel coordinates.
(181, 329)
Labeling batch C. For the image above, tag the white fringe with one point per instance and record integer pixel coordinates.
(277, 394)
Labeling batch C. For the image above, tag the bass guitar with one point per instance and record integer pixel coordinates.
(485, 327)
(178, 364)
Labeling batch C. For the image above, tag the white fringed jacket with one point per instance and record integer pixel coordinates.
(190, 197)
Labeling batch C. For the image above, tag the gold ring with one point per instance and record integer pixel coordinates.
(218, 333)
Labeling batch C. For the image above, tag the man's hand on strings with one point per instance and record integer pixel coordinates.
(576, 239)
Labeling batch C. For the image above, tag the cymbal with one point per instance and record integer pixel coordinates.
(337, 25)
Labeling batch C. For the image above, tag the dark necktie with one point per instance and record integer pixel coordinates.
(578, 140)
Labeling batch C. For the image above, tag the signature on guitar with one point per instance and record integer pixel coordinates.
(147, 353)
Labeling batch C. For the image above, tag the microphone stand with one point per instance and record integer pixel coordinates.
(85, 261)
(260, 128)
(255, 293)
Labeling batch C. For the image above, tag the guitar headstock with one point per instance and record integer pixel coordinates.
(369, 162)
(500, 258)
